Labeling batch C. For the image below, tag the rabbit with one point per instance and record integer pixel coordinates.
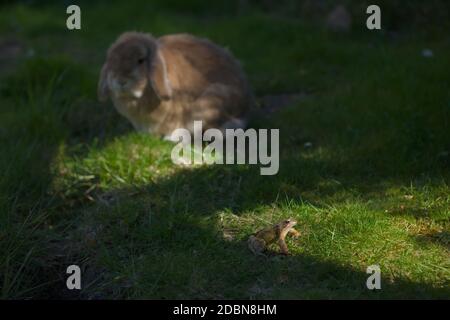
(163, 84)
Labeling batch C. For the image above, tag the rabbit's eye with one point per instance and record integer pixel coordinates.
(141, 61)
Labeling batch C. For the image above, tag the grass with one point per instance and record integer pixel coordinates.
(78, 186)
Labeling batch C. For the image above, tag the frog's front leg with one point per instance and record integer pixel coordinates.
(294, 233)
(283, 246)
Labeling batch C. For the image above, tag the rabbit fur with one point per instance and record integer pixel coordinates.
(163, 84)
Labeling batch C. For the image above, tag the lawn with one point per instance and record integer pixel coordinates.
(364, 164)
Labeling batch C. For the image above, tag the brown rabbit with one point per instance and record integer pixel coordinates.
(167, 83)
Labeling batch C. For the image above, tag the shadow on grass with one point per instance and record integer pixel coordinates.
(154, 242)
(441, 238)
(42, 110)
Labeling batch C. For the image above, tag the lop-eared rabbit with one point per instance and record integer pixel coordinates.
(167, 83)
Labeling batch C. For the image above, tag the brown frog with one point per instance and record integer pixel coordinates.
(259, 241)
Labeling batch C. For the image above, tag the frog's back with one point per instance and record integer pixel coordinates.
(269, 235)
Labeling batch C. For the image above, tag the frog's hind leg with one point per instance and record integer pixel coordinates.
(257, 246)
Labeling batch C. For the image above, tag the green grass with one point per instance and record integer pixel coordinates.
(78, 186)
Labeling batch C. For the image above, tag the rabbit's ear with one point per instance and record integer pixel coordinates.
(103, 89)
(159, 78)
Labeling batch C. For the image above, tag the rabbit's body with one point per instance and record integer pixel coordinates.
(186, 79)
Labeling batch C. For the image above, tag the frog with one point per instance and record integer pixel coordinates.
(259, 241)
